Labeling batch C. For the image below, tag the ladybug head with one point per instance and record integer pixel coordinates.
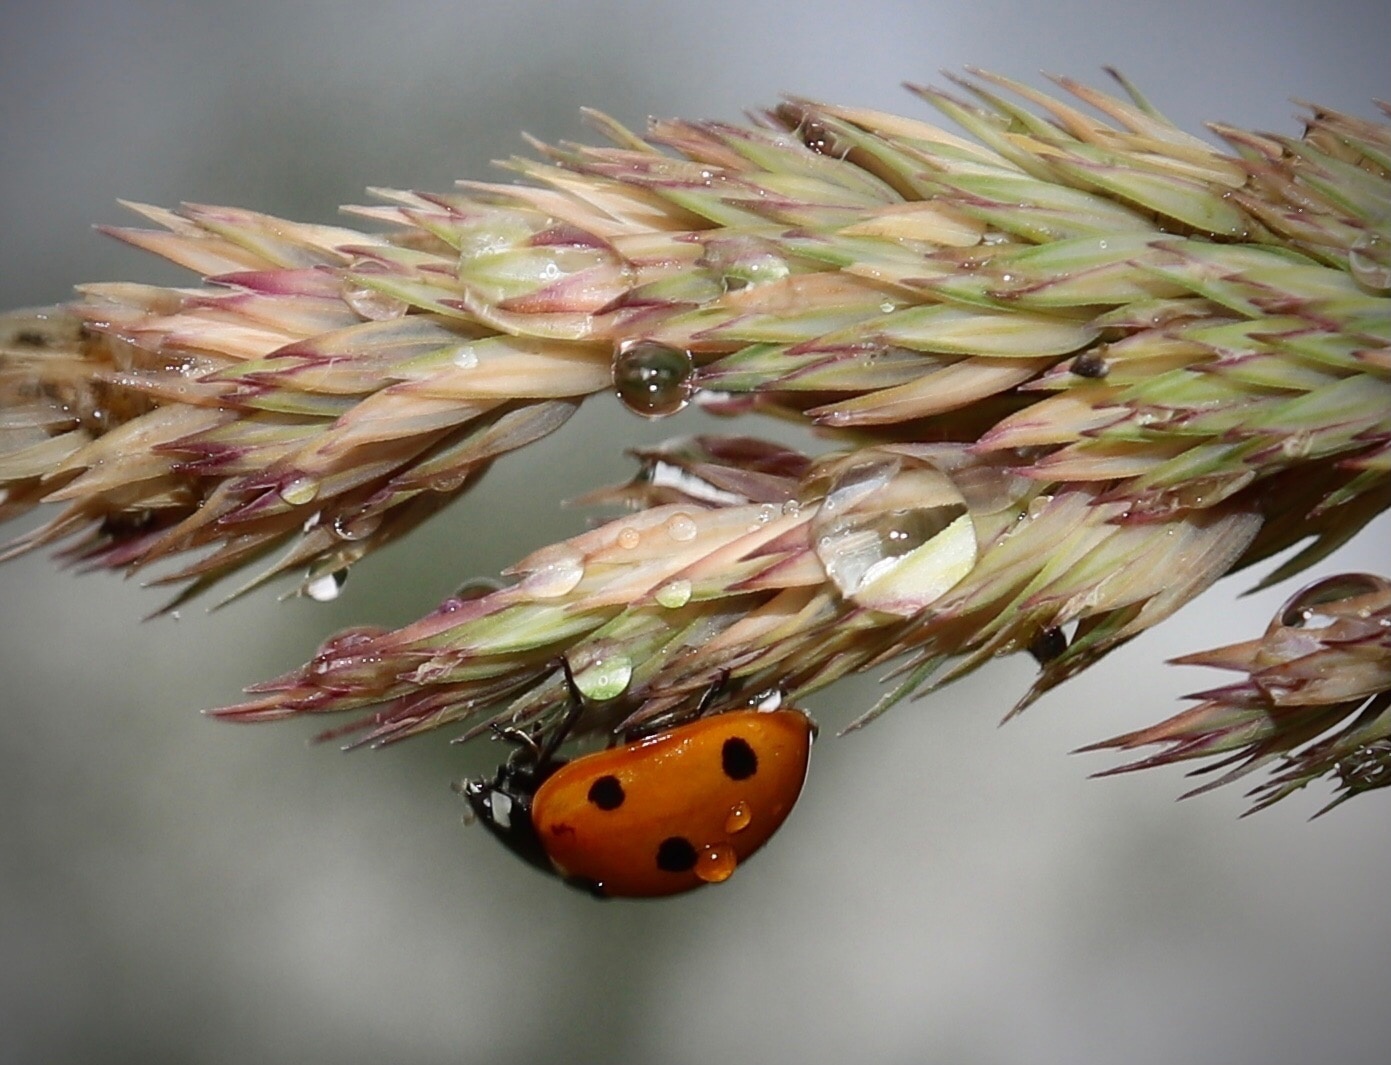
(503, 805)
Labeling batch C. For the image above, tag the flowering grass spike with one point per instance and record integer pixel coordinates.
(1071, 370)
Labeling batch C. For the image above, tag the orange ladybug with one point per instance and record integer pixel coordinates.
(658, 816)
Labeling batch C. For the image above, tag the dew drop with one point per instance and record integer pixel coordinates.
(1370, 260)
(629, 538)
(555, 578)
(738, 818)
(325, 588)
(716, 863)
(357, 526)
(465, 358)
(893, 535)
(606, 679)
(1304, 609)
(681, 527)
(674, 594)
(299, 491)
(372, 303)
(652, 379)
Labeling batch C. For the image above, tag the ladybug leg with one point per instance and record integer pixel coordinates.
(572, 714)
(717, 688)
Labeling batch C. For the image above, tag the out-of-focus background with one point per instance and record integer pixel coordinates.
(175, 889)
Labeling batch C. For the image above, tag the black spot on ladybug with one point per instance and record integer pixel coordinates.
(676, 855)
(737, 759)
(607, 793)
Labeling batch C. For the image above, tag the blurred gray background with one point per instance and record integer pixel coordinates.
(178, 890)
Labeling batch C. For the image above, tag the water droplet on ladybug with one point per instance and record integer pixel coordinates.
(716, 863)
(652, 379)
(738, 818)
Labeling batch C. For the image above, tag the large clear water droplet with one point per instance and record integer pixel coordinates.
(299, 491)
(368, 300)
(651, 378)
(557, 576)
(606, 679)
(1370, 259)
(893, 534)
(674, 594)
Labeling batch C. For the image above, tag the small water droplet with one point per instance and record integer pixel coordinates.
(299, 491)
(716, 863)
(681, 527)
(606, 679)
(888, 307)
(325, 588)
(465, 358)
(1297, 445)
(792, 508)
(629, 538)
(371, 303)
(652, 379)
(357, 526)
(555, 578)
(738, 818)
(1370, 259)
(674, 594)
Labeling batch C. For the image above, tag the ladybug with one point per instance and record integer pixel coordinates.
(656, 816)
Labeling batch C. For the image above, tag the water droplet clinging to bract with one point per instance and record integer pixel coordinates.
(1369, 259)
(651, 378)
(893, 534)
(556, 577)
(325, 587)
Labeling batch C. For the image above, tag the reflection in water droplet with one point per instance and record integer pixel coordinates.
(325, 588)
(674, 594)
(738, 819)
(357, 526)
(629, 538)
(300, 491)
(1303, 609)
(606, 679)
(1370, 260)
(893, 535)
(716, 863)
(465, 358)
(370, 303)
(556, 578)
(652, 379)
(681, 527)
